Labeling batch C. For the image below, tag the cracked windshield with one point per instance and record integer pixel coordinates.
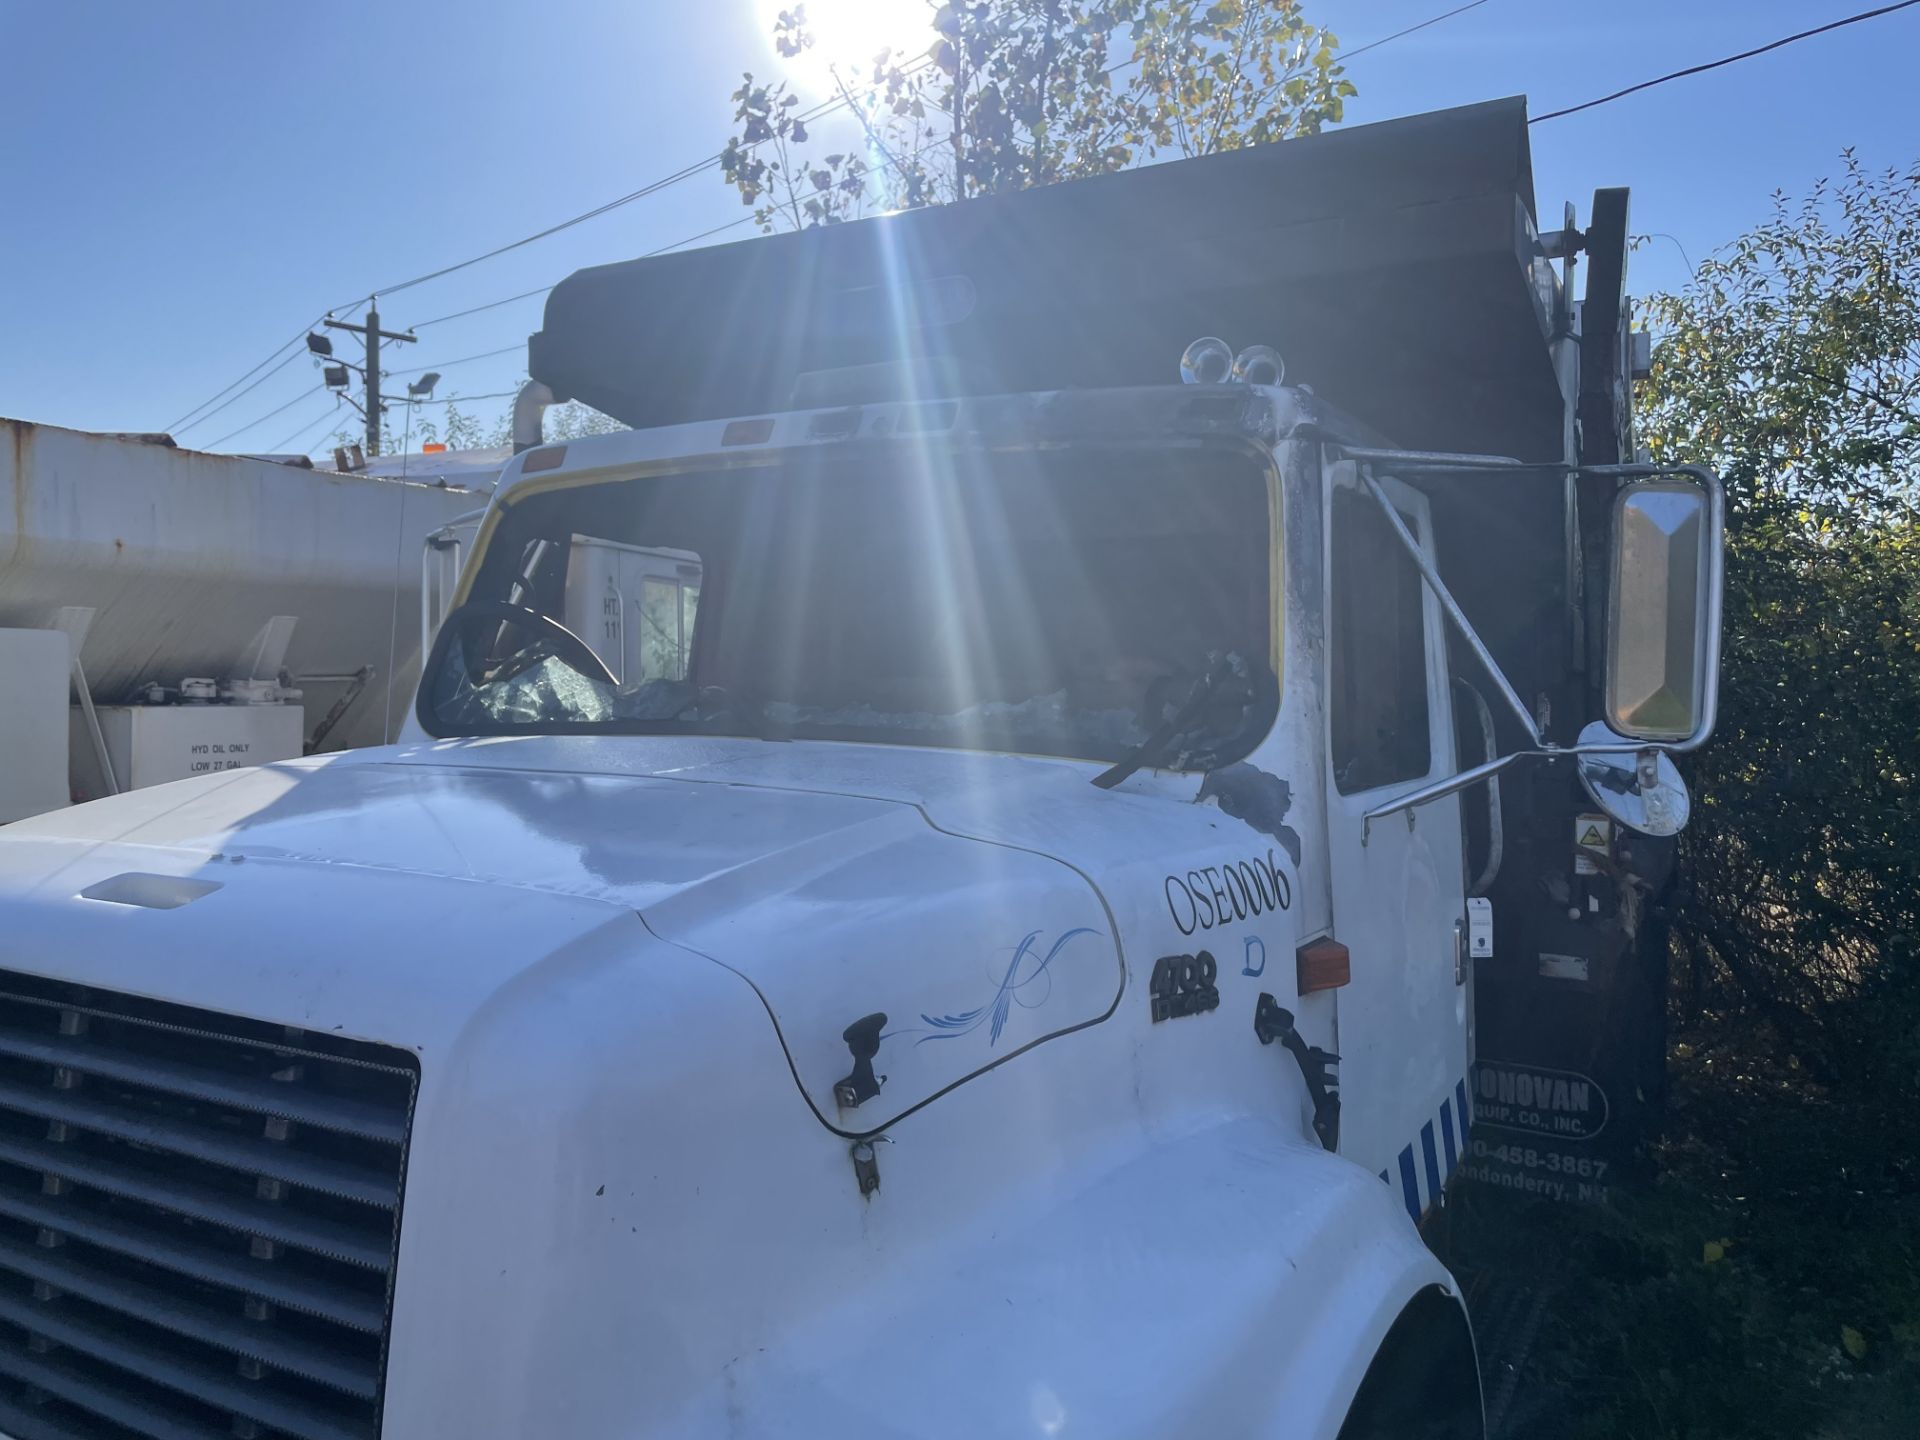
(1068, 604)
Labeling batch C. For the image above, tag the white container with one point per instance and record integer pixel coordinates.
(183, 558)
(153, 744)
(34, 670)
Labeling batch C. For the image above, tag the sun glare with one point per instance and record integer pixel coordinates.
(847, 34)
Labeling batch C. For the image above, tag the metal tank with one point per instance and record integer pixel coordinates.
(168, 568)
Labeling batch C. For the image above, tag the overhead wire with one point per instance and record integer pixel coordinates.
(1348, 55)
(1726, 60)
(1114, 69)
(653, 187)
(490, 305)
(292, 356)
(320, 419)
(462, 399)
(193, 417)
(277, 410)
(844, 100)
(462, 360)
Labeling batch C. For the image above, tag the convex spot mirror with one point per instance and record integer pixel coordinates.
(1662, 610)
(1641, 790)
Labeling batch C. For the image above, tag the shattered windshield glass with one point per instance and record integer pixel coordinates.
(1060, 603)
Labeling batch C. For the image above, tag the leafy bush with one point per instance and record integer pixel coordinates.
(1791, 363)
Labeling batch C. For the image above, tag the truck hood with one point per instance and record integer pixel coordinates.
(819, 878)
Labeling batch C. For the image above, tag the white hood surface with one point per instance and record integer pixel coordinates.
(817, 873)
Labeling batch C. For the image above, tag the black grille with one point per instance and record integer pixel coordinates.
(198, 1220)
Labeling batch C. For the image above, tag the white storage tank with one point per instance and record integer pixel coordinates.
(173, 569)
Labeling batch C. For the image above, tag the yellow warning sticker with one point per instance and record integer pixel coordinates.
(1590, 832)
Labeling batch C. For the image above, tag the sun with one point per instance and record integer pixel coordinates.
(847, 34)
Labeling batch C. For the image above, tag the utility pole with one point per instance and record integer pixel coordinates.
(374, 335)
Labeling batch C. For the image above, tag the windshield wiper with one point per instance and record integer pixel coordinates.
(1155, 748)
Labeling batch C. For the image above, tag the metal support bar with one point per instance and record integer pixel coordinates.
(1716, 602)
(74, 621)
(1417, 461)
(356, 685)
(439, 581)
(1430, 461)
(1440, 789)
(426, 599)
(1431, 574)
(94, 733)
(1496, 831)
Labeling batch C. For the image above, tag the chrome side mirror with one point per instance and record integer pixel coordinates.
(1663, 611)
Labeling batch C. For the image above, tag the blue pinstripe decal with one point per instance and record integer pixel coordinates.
(1446, 1135)
(1433, 1164)
(1409, 1187)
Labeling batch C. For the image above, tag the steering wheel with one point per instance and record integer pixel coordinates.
(565, 646)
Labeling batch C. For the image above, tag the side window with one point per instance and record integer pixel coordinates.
(636, 606)
(1377, 642)
(667, 609)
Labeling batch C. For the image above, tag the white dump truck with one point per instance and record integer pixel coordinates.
(948, 884)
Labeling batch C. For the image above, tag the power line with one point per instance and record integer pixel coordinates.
(686, 172)
(332, 410)
(844, 100)
(490, 305)
(1399, 34)
(449, 364)
(1727, 60)
(277, 410)
(183, 420)
(708, 234)
(816, 112)
(461, 399)
(654, 187)
(239, 394)
(189, 419)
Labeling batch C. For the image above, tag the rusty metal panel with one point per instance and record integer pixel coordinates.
(183, 557)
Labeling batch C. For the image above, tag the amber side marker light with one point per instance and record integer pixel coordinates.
(1322, 965)
(747, 432)
(549, 459)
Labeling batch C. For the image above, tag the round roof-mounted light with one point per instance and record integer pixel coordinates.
(1207, 361)
(1259, 365)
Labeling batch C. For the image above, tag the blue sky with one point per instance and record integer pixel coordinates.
(188, 184)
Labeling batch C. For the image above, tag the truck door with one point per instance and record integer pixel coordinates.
(1398, 887)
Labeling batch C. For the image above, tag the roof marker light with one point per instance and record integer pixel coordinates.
(1207, 361)
(1259, 365)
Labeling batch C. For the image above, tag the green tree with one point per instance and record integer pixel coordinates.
(1791, 363)
(1017, 93)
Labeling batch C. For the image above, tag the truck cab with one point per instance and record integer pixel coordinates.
(927, 908)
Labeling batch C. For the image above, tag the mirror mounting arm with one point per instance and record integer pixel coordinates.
(1430, 573)
(1648, 753)
(1645, 751)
